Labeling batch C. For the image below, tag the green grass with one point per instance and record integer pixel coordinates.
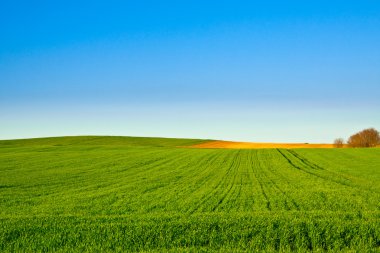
(149, 194)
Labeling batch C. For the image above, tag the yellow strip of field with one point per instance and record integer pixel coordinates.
(257, 145)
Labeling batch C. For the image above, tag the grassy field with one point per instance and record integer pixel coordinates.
(148, 194)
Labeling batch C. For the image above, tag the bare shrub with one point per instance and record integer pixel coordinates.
(338, 143)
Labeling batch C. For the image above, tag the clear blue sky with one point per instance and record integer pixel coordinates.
(298, 71)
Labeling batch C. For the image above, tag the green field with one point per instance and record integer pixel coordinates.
(148, 194)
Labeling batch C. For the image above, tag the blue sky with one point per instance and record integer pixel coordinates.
(276, 71)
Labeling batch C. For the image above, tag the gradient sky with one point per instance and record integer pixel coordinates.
(275, 71)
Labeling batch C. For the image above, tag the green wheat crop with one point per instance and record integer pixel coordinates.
(151, 194)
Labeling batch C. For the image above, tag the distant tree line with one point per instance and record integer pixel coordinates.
(364, 139)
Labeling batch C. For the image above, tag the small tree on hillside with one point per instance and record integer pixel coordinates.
(338, 143)
(367, 138)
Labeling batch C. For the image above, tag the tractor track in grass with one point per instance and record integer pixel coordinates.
(224, 182)
(233, 169)
(261, 185)
(201, 178)
(280, 199)
(311, 172)
(278, 173)
(279, 189)
(261, 200)
(305, 161)
(215, 189)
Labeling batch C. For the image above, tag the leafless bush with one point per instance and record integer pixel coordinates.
(338, 143)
